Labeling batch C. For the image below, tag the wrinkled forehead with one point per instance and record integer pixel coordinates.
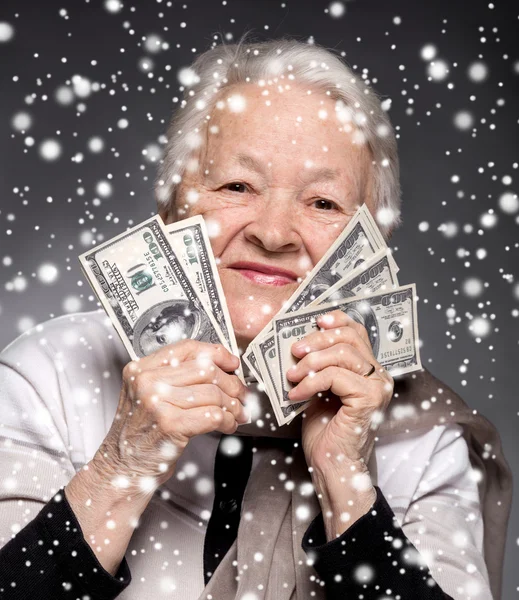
(309, 128)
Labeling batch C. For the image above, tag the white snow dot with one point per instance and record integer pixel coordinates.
(364, 574)
(473, 287)
(6, 32)
(190, 469)
(21, 121)
(152, 153)
(423, 226)
(236, 103)
(167, 584)
(337, 10)
(147, 484)
(509, 203)
(361, 482)
(187, 77)
(153, 43)
(213, 228)
(50, 149)
(477, 72)
(96, 144)
(488, 220)
(71, 304)
(438, 70)
(204, 486)
(48, 273)
(449, 229)
(428, 52)
(113, 6)
(25, 323)
(463, 120)
(64, 95)
(386, 217)
(232, 445)
(82, 86)
(479, 327)
(303, 512)
(104, 189)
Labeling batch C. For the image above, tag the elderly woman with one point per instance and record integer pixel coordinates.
(127, 480)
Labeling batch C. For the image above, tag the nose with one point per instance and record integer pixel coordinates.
(274, 227)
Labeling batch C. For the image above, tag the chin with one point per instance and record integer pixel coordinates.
(247, 324)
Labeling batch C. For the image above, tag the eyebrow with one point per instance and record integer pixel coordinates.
(321, 174)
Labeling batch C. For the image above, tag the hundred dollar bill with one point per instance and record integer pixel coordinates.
(370, 281)
(354, 245)
(190, 242)
(376, 273)
(146, 292)
(266, 354)
(390, 319)
(249, 358)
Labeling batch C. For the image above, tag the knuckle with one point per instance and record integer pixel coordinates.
(130, 369)
(236, 385)
(216, 394)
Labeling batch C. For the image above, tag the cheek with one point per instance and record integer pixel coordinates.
(317, 238)
(222, 226)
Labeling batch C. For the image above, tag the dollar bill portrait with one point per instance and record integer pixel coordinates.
(145, 478)
(167, 323)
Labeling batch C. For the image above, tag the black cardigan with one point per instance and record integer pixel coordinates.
(49, 559)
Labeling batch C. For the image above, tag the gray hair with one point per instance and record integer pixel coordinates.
(226, 65)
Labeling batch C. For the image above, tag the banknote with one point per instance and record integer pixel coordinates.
(376, 273)
(249, 358)
(390, 319)
(359, 243)
(266, 354)
(191, 244)
(146, 292)
(354, 245)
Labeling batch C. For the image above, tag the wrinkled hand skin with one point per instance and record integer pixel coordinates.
(339, 426)
(180, 391)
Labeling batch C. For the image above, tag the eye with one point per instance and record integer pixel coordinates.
(323, 204)
(234, 185)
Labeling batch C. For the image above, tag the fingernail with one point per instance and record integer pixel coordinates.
(327, 319)
(300, 346)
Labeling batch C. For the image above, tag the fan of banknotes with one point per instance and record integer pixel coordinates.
(159, 284)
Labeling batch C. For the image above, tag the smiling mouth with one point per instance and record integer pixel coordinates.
(264, 275)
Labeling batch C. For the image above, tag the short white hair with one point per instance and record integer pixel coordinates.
(226, 65)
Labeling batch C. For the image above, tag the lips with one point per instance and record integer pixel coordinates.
(264, 274)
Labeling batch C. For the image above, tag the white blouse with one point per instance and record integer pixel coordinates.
(59, 390)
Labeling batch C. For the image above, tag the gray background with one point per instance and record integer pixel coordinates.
(449, 175)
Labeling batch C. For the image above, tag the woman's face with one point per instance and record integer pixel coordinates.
(276, 183)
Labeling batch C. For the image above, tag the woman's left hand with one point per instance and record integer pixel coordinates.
(339, 428)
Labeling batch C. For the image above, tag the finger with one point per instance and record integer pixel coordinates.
(319, 340)
(340, 355)
(202, 371)
(204, 419)
(184, 350)
(341, 382)
(204, 395)
(339, 318)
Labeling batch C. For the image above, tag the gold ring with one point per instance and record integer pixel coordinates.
(370, 372)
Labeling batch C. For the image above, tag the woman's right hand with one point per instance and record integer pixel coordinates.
(166, 398)
(180, 391)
